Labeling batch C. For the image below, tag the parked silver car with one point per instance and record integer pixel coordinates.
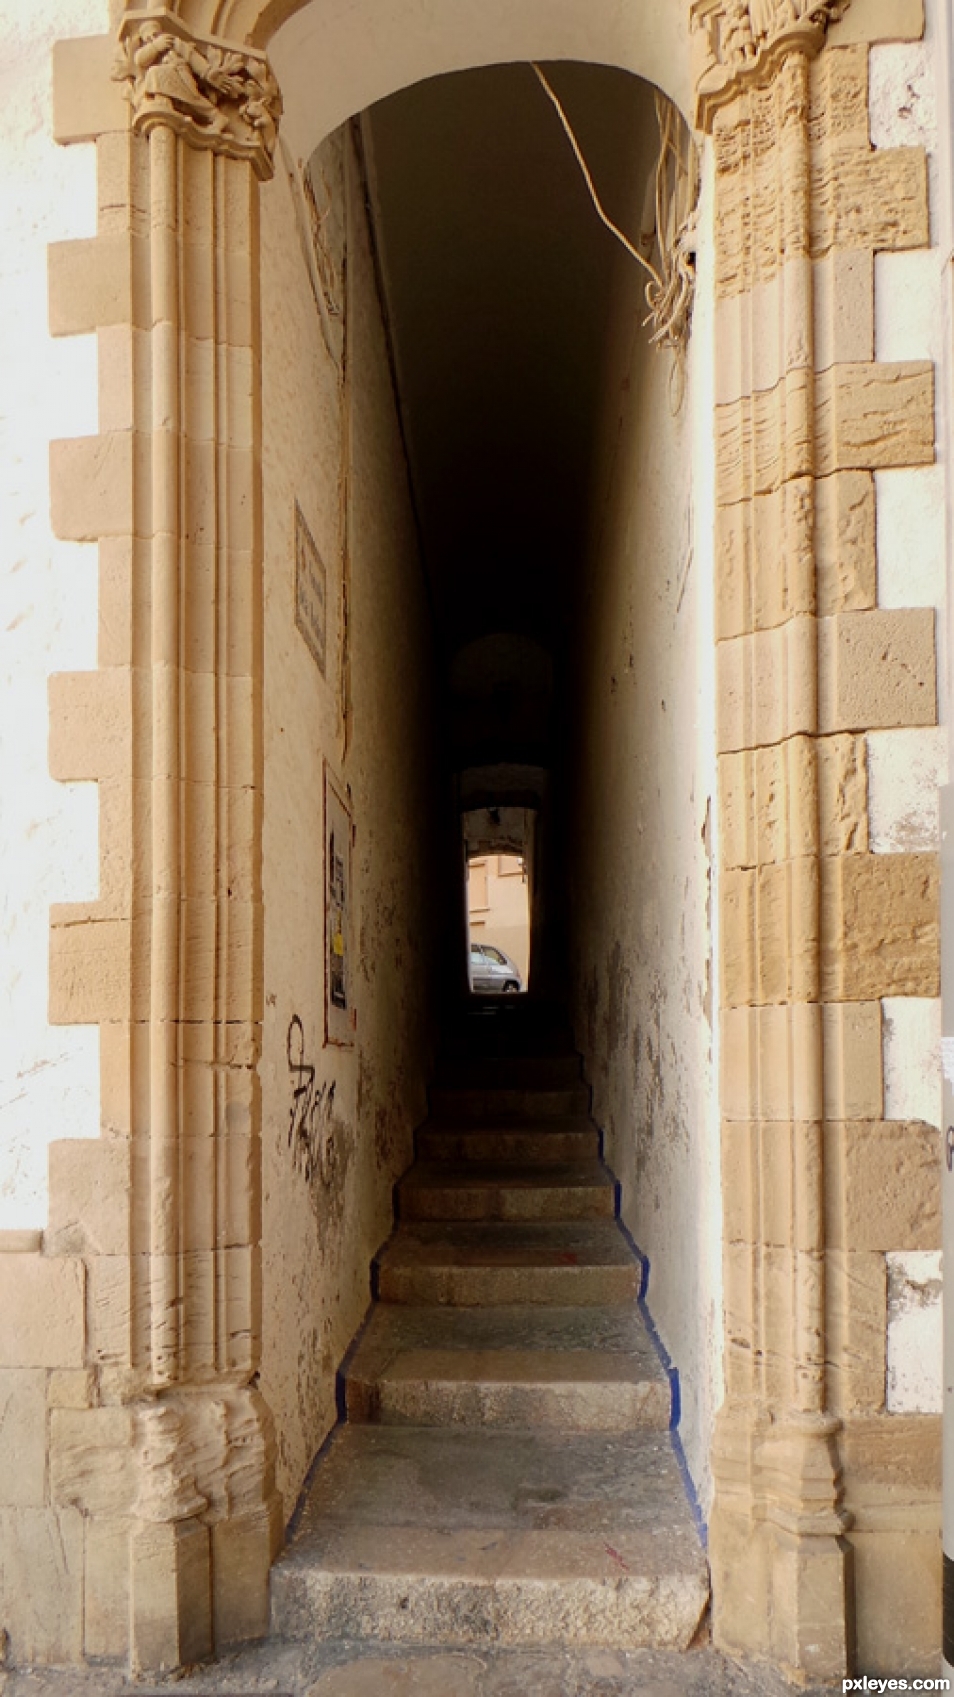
(491, 971)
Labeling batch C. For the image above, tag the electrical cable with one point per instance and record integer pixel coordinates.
(603, 214)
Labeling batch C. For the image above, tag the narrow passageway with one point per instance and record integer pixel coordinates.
(505, 1476)
(503, 1472)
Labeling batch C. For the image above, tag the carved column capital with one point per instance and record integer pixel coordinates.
(740, 43)
(213, 92)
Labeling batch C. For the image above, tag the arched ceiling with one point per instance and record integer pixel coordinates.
(335, 57)
(499, 280)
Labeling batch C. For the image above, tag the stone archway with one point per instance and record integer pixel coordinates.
(168, 960)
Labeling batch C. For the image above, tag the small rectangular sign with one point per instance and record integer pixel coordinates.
(311, 594)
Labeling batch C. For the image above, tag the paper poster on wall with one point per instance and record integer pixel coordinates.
(339, 1006)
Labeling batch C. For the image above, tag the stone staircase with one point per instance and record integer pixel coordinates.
(505, 1475)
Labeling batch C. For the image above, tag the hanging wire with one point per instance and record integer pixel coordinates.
(614, 229)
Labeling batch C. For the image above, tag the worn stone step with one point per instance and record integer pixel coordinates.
(543, 1143)
(494, 1538)
(578, 1369)
(481, 1190)
(511, 1072)
(493, 1106)
(465, 1265)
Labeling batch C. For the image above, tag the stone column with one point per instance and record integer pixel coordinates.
(185, 1520)
(803, 417)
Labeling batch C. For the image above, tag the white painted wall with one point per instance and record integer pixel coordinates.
(641, 878)
(905, 767)
(49, 1081)
(913, 1377)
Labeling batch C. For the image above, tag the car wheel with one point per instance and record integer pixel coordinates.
(511, 988)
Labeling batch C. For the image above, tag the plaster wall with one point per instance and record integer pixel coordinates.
(642, 856)
(49, 1084)
(330, 1157)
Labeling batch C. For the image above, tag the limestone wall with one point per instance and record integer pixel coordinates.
(641, 867)
(335, 1140)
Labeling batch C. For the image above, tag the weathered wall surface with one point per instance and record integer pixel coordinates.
(905, 766)
(335, 1140)
(640, 875)
(48, 609)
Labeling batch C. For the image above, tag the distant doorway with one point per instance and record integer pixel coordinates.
(498, 923)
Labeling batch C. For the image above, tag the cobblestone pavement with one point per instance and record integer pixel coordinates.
(367, 1670)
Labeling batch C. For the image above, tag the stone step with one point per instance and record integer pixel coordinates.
(481, 1190)
(494, 1106)
(511, 1072)
(541, 1144)
(494, 1538)
(466, 1265)
(576, 1369)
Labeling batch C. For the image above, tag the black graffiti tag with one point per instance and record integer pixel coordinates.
(310, 1137)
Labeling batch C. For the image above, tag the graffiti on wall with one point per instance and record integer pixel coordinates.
(310, 1124)
(339, 1008)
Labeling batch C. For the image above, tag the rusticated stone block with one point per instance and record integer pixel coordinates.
(843, 306)
(880, 927)
(882, 1189)
(892, 1466)
(41, 1560)
(71, 1388)
(92, 1460)
(739, 959)
(761, 1200)
(897, 1599)
(854, 1086)
(770, 933)
(854, 416)
(777, 800)
(877, 669)
(778, 555)
(23, 1429)
(97, 281)
(878, 20)
(94, 483)
(843, 794)
(855, 1303)
(740, 1179)
(868, 416)
(738, 823)
(90, 724)
(765, 686)
(877, 201)
(740, 1309)
(845, 553)
(86, 99)
(107, 1589)
(764, 439)
(90, 1191)
(111, 1295)
(770, 1062)
(90, 965)
(42, 1303)
(764, 560)
(838, 113)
